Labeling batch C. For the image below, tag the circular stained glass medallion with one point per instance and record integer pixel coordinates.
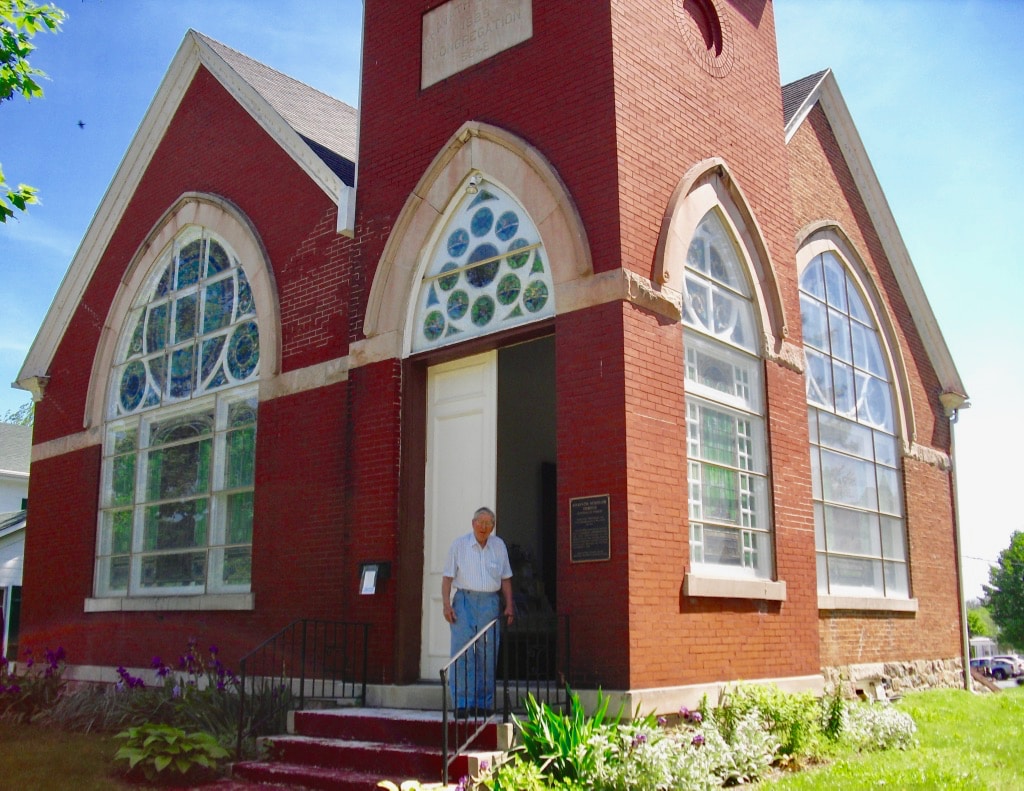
(516, 260)
(244, 350)
(483, 274)
(482, 222)
(483, 311)
(458, 241)
(458, 304)
(507, 225)
(433, 325)
(447, 283)
(535, 296)
(508, 289)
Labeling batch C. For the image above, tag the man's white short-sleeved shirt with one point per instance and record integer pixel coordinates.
(477, 568)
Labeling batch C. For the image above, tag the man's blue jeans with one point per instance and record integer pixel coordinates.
(472, 683)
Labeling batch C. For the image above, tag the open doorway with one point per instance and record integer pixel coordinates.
(526, 451)
(490, 440)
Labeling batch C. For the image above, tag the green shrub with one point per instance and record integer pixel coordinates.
(794, 719)
(153, 748)
(634, 757)
(519, 774)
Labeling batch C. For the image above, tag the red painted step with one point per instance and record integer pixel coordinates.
(348, 749)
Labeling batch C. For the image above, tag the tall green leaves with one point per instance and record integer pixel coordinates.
(561, 744)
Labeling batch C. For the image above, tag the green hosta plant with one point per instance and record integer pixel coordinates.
(152, 748)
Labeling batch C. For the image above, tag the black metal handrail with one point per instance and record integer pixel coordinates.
(534, 659)
(533, 648)
(307, 659)
(468, 722)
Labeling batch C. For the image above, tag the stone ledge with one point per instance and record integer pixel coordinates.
(871, 603)
(728, 588)
(204, 602)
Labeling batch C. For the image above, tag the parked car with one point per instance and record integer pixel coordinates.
(983, 664)
(1002, 669)
(1014, 661)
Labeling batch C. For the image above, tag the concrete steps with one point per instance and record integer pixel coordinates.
(354, 748)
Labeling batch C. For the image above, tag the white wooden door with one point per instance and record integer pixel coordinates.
(460, 477)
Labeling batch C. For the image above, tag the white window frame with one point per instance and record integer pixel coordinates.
(213, 593)
(836, 595)
(744, 403)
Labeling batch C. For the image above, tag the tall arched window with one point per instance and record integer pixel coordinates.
(179, 448)
(730, 526)
(488, 272)
(858, 497)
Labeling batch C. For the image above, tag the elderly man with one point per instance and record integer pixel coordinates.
(479, 570)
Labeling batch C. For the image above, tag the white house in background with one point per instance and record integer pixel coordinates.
(15, 455)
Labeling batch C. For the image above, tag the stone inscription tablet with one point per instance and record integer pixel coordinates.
(461, 33)
(589, 533)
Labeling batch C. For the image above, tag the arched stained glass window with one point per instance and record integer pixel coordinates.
(730, 525)
(858, 495)
(489, 272)
(194, 331)
(179, 449)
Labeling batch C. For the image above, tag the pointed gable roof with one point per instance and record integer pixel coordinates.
(821, 89)
(317, 131)
(796, 94)
(327, 125)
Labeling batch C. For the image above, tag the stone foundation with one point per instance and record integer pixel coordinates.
(898, 678)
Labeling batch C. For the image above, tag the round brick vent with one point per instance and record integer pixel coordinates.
(705, 29)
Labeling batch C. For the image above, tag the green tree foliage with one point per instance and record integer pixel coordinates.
(20, 20)
(24, 415)
(979, 623)
(1006, 592)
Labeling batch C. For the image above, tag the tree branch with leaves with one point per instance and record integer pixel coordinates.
(1005, 592)
(20, 21)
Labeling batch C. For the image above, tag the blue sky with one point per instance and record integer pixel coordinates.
(934, 86)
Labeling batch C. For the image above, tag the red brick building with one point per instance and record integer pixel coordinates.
(595, 270)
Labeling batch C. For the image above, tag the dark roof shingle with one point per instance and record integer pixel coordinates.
(794, 94)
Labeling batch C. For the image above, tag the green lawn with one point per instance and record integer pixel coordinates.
(966, 742)
(41, 759)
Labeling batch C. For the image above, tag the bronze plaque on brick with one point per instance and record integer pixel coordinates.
(590, 528)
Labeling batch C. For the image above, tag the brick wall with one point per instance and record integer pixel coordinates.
(592, 448)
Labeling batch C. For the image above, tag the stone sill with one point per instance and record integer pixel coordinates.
(872, 603)
(728, 588)
(204, 602)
